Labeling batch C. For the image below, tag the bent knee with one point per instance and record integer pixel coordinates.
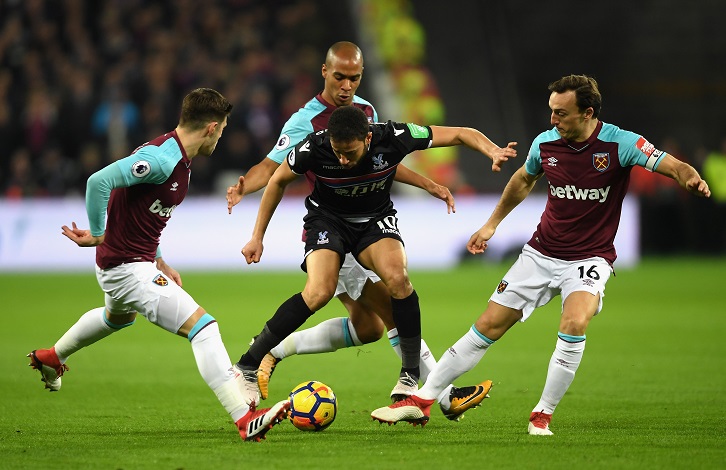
(317, 298)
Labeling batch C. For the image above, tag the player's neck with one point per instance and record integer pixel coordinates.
(587, 131)
(190, 141)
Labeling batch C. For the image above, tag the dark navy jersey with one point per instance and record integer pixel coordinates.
(587, 184)
(364, 191)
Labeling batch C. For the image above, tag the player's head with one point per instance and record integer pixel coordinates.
(205, 109)
(342, 71)
(349, 134)
(575, 102)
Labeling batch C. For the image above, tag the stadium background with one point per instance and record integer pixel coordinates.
(84, 82)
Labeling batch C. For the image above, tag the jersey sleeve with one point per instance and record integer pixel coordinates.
(141, 167)
(533, 163)
(299, 157)
(412, 136)
(634, 149)
(295, 129)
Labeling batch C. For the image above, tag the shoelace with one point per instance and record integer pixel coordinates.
(408, 380)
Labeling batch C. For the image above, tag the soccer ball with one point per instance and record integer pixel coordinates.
(312, 406)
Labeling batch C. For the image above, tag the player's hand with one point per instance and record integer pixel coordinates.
(252, 251)
(478, 242)
(81, 237)
(235, 194)
(502, 155)
(443, 193)
(170, 272)
(698, 187)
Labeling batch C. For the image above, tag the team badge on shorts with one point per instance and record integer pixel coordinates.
(502, 286)
(323, 238)
(601, 161)
(160, 280)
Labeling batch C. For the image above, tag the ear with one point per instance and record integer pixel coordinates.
(589, 112)
(211, 127)
(324, 71)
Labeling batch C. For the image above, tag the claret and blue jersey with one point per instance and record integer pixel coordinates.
(138, 194)
(587, 184)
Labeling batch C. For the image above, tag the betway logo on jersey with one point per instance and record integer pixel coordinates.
(572, 192)
(157, 208)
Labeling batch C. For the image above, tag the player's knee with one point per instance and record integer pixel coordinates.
(318, 297)
(369, 331)
(399, 285)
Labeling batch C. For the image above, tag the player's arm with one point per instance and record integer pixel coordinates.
(684, 174)
(254, 180)
(408, 176)
(272, 196)
(447, 136)
(517, 189)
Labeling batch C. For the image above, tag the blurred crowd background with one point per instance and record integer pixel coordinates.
(83, 82)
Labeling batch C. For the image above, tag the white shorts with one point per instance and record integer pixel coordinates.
(140, 287)
(534, 279)
(353, 277)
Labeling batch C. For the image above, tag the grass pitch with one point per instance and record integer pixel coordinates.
(649, 392)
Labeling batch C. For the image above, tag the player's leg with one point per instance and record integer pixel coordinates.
(322, 266)
(387, 258)
(362, 325)
(525, 286)
(170, 307)
(215, 367)
(458, 359)
(582, 291)
(92, 326)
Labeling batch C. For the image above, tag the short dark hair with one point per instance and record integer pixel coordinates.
(587, 94)
(202, 106)
(348, 123)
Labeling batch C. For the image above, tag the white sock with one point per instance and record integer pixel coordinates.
(91, 327)
(461, 357)
(560, 374)
(327, 336)
(216, 370)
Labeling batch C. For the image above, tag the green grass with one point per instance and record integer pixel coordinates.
(649, 393)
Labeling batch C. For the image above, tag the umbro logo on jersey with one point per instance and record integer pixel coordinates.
(305, 147)
(552, 161)
(174, 186)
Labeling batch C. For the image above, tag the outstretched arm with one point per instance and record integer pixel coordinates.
(472, 138)
(684, 174)
(255, 179)
(517, 189)
(272, 196)
(408, 176)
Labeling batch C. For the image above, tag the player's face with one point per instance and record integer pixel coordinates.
(342, 78)
(350, 153)
(210, 143)
(567, 118)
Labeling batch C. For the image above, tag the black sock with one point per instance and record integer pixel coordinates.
(407, 316)
(288, 318)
